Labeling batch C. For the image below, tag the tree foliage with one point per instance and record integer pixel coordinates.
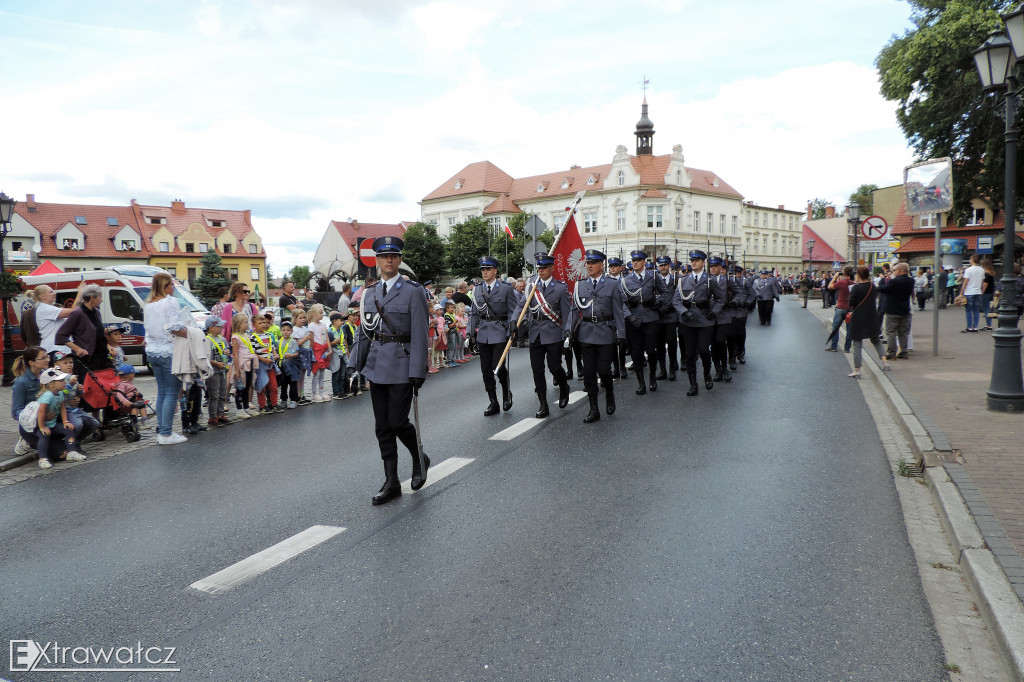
(300, 275)
(942, 111)
(211, 278)
(818, 207)
(863, 196)
(467, 242)
(424, 251)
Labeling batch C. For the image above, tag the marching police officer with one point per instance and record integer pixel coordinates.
(767, 291)
(615, 272)
(597, 303)
(392, 355)
(723, 322)
(638, 292)
(741, 294)
(665, 286)
(493, 303)
(550, 318)
(698, 300)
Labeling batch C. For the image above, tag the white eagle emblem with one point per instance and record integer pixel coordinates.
(577, 265)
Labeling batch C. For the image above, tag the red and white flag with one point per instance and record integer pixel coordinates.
(508, 231)
(570, 256)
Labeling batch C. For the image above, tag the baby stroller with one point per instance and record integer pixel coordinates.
(101, 395)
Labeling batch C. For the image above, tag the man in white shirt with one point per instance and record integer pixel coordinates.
(972, 288)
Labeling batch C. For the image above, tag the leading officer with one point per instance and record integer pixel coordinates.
(493, 303)
(597, 303)
(549, 318)
(392, 355)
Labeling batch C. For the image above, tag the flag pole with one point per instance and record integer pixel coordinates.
(570, 211)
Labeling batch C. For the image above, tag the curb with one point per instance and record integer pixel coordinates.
(999, 602)
(14, 462)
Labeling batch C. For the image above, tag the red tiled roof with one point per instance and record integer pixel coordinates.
(904, 224)
(350, 232)
(926, 244)
(822, 249)
(654, 194)
(482, 176)
(237, 223)
(502, 204)
(50, 218)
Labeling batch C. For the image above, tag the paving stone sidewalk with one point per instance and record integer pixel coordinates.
(947, 393)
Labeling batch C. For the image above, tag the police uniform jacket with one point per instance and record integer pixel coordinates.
(728, 304)
(395, 349)
(767, 288)
(698, 293)
(639, 296)
(491, 311)
(741, 295)
(603, 322)
(664, 291)
(543, 329)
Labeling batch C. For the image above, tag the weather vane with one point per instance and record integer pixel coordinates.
(645, 82)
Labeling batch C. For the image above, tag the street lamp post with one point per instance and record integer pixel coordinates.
(996, 64)
(853, 220)
(810, 269)
(6, 215)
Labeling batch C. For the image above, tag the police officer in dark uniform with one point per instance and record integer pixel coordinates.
(723, 322)
(767, 290)
(615, 272)
(549, 320)
(597, 303)
(638, 292)
(698, 300)
(741, 295)
(665, 287)
(392, 355)
(493, 303)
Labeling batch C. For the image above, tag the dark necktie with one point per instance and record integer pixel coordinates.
(384, 288)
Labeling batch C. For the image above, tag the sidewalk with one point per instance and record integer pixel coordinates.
(975, 457)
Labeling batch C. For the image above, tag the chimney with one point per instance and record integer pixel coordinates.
(30, 203)
(830, 211)
(782, 207)
(355, 224)
(247, 216)
(810, 211)
(177, 206)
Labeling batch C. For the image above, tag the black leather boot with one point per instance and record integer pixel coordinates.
(506, 397)
(692, 376)
(654, 381)
(493, 408)
(732, 362)
(542, 411)
(568, 373)
(624, 373)
(594, 413)
(563, 395)
(708, 382)
(726, 374)
(672, 373)
(718, 372)
(661, 374)
(392, 488)
(609, 397)
(642, 390)
(418, 477)
(743, 359)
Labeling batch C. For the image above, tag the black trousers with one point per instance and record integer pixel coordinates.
(574, 349)
(391, 405)
(490, 353)
(764, 310)
(697, 341)
(667, 342)
(553, 353)
(193, 406)
(619, 357)
(643, 340)
(738, 337)
(597, 362)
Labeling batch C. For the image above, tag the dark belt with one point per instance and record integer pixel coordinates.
(599, 318)
(393, 338)
(541, 317)
(503, 318)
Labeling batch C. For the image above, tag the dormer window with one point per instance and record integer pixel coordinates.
(156, 221)
(590, 180)
(128, 245)
(227, 248)
(80, 220)
(218, 223)
(165, 247)
(458, 183)
(254, 248)
(70, 245)
(565, 184)
(542, 186)
(203, 248)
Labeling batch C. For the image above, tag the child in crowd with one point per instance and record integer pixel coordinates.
(190, 401)
(442, 336)
(84, 423)
(432, 340)
(339, 352)
(125, 392)
(217, 383)
(354, 382)
(51, 405)
(291, 366)
(461, 323)
(243, 364)
(114, 350)
(321, 352)
(302, 338)
(265, 346)
(451, 333)
(272, 329)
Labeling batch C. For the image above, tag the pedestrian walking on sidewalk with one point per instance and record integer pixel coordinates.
(971, 288)
(864, 319)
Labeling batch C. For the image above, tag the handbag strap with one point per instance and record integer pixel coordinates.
(871, 285)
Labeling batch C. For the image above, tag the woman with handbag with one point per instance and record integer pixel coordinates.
(862, 320)
(921, 287)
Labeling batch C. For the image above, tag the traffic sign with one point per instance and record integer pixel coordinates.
(367, 255)
(530, 250)
(984, 245)
(534, 227)
(836, 265)
(874, 228)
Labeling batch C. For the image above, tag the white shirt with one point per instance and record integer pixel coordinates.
(974, 276)
(48, 320)
(160, 318)
(389, 283)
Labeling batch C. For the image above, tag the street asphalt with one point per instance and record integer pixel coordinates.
(750, 533)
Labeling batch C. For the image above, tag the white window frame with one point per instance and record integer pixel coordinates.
(590, 222)
(620, 220)
(164, 247)
(928, 221)
(696, 221)
(622, 178)
(655, 217)
(735, 225)
(203, 247)
(559, 221)
(975, 214)
(254, 248)
(679, 219)
(451, 221)
(711, 222)
(254, 274)
(721, 223)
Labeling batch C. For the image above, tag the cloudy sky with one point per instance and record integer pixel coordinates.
(311, 110)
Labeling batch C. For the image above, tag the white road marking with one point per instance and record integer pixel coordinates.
(521, 427)
(575, 397)
(438, 471)
(249, 568)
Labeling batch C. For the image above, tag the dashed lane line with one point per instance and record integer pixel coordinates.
(521, 427)
(258, 563)
(439, 471)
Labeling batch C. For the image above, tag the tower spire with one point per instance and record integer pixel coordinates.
(644, 130)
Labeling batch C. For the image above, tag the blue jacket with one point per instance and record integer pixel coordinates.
(543, 329)
(639, 296)
(387, 361)
(599, 311)
(24, 391)
(489, 317)
(696, 296)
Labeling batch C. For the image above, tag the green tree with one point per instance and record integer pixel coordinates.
(300, 275)
(930, 72)
(424, 251)
(818, 207)
(548, 237)
(466, 244)
(211, 278)
(270, 276)
(863, 196)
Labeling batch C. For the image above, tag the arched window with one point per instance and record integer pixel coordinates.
(622, 178)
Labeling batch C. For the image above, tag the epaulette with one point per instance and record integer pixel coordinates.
(414, 283)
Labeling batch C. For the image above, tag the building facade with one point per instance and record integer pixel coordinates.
(771, 238)
(655, 203)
